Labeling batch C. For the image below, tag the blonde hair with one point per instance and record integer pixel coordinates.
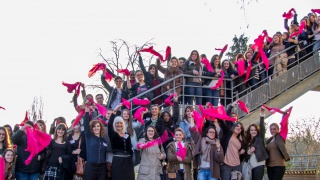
(116, 120)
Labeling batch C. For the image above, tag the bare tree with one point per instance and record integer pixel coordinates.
(36, 111)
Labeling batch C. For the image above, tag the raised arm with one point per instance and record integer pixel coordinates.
(285, 123)
(262, 123)
(159, 67)
(143, 69)
(86, 120)
(110, 72)
(105, 83)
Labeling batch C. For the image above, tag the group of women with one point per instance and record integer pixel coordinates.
(215, 152)
(111, 144)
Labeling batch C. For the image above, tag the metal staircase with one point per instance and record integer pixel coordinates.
(276, 92)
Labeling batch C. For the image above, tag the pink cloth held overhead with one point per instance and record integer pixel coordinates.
(182, 152)
(218, 84)
(155, 142)
(301, 28)
(25, 119)
(241, 66)
(36, 142)
(126, 103)
(140, 102)
(81, 113)
(284, 124)
(207, 64)
(223, 49)
(248, 71)
(126, 72)
(288, 15)
(265, 34)
(315, 11)
(138, 114)
(219, 113)
(2, 168)
(152, 51)
(271, 109)
(102, 109)
(243, 106)
(199, 121)
(71, 87)
(2, 108)
(95, 68)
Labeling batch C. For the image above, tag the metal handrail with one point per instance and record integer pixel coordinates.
(233, 86)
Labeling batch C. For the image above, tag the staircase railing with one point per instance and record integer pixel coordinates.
(267, 89)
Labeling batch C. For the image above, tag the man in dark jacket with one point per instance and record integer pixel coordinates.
(115, 93)
(23, 171)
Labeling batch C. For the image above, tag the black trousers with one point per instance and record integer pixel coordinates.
(276, 172)
(95, 171)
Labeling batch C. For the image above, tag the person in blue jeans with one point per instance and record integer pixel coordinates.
(193, 84)
(208, 153)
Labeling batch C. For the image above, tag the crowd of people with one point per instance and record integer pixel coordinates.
(165, 145)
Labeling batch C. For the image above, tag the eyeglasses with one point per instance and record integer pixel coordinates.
(139, 74)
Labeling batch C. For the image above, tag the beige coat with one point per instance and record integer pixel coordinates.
(150, 166)
(174, 164)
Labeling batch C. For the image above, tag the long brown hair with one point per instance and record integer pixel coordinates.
(7, 141)
(198, 60)
(129, 128)
(102, 129)
(63, 127)
(249, 138)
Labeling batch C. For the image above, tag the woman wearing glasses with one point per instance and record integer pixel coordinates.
(150, 165)
(208, 153)
(141, 86)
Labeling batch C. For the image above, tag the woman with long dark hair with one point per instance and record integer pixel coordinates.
(152, 79)
(186, 122)
(5, 141)
(96, 145)
(150, 165)
(60, 152)
(233, 145)
(229, 74)
(122, 165)
(10, 159)
(256, 151)
(193, 84)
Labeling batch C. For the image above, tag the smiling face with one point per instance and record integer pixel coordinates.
(166, 117)
(181, 63)
(8, 156)
(154, 110)
(60, 132)
(253, 131)
(188, 113)
(226, 64)
(2, 135)
(178, 135)
(125, 115)
(274, 130)
(217, 60)
(194, 56)
(237, 129)
(211, 133)
(96, 129)
(119, 126)
(139, 75)
(174, 63)
(152, 71)
(99, 99)
(276, 39)
(150, 133)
